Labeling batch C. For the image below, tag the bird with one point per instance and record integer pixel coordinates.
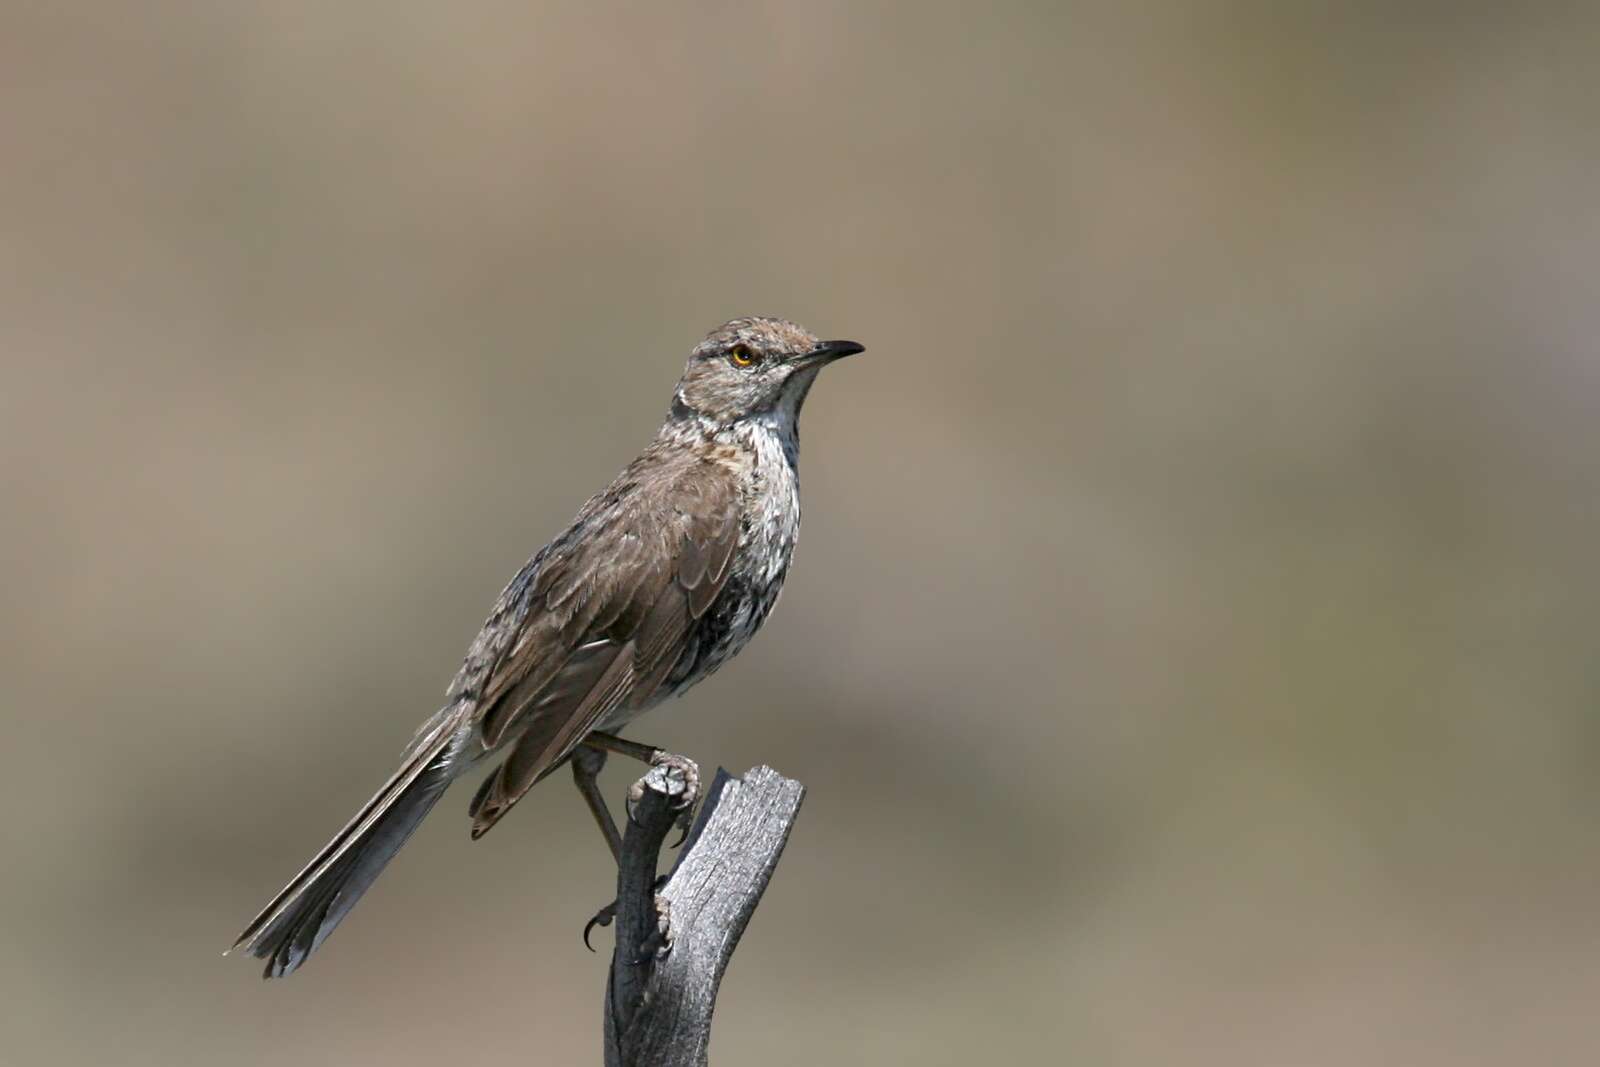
(659, 580)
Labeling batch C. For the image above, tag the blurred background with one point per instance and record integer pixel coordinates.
(1190, 652)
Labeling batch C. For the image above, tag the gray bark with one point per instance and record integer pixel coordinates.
(669, 961)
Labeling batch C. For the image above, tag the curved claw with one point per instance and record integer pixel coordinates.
(602, 917)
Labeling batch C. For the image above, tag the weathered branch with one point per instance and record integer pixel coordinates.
(664, 975)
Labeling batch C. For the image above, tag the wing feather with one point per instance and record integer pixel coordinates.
(604, 615)
(550, 738)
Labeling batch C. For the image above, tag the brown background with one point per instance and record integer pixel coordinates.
(1191, 651)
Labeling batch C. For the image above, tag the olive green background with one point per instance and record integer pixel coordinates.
(1191, 650)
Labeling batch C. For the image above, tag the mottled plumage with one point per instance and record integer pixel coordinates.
(659, 580)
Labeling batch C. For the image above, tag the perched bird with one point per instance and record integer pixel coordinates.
(663, 576)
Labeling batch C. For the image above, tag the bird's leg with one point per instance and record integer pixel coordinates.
(586, 764)
(587, 759)
(656, 757)
(623, 747)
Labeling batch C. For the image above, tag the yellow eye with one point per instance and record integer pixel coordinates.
(741, 356)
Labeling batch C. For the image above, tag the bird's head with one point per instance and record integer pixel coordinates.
(754, 367)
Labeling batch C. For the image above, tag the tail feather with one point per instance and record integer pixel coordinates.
(306, 911)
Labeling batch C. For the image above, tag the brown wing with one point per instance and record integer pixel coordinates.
(604, 615)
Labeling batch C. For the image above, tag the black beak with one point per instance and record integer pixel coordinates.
(828, 351)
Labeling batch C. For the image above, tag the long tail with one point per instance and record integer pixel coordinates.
(300, 918)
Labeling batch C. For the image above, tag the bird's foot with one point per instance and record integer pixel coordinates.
(678, 777)
(606, 915)
(659, 943)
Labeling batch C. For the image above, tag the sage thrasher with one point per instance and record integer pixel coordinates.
(661, 578)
